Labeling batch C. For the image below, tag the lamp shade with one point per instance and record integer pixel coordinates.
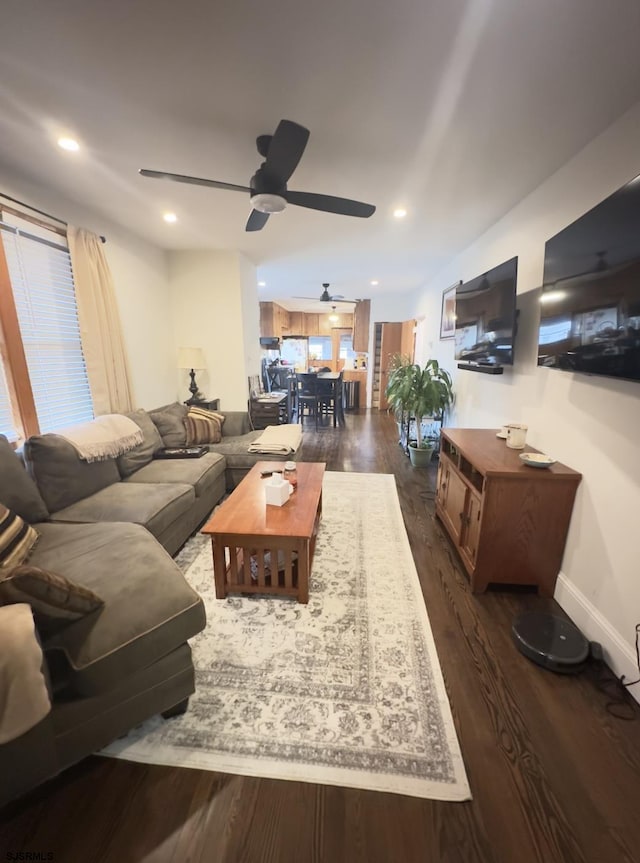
(191, 358)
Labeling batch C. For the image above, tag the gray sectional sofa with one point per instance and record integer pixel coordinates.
(112, 526)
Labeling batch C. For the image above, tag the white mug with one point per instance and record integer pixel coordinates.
(516, 435)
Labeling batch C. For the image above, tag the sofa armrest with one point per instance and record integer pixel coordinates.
(24, 697)
(236, 423)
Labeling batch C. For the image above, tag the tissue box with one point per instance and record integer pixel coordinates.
(277, 494)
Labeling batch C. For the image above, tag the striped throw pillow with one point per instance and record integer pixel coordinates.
(54, 600)
(203, 426)
(17, 538)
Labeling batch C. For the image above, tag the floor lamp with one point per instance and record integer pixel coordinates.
(192, 359)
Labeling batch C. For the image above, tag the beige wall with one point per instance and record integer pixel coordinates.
(590, 424)
(214, 306)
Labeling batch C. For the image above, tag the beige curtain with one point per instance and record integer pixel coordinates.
(102, 342)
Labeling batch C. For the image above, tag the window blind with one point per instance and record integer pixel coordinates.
(7, 426)
(42, 284)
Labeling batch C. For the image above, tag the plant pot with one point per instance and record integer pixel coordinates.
(420, 456)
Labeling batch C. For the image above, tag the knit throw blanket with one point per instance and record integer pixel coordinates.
(278, 439)
(24, 700)
(104, 437)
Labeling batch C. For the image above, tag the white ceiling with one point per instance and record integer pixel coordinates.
(455, 109)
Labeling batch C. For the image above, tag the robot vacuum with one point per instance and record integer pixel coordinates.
(550, 641)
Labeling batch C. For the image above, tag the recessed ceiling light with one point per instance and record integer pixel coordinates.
(170, 217)
(553, 296)
(374, 282)
(399, 213)
(262, 284)
(68, 144)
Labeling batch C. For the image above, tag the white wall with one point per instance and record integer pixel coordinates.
(591, 424)
(385, 308)
(250, 319)
(213, 297)
(141, 285)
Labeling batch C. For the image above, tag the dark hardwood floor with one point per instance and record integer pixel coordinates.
(555, 777)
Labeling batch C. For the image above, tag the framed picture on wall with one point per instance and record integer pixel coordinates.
(448, 315)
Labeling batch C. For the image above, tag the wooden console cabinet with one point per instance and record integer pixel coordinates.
(508, 521)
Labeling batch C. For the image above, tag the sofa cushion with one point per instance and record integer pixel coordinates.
(61, 475)
(201, 473)
(52, 597)
(203, 426)
(236, 423)
(169, 421)
(142, 454)
(17, 490)
(149, 608)
(17, 538)
(154, 506)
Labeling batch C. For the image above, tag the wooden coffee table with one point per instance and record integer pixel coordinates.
(248, 537)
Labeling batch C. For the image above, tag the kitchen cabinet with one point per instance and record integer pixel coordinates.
(274, 320)
(361, 318)
(357, 376)
(507, 521)
(310, 324)
(296, 324)
(326, 326)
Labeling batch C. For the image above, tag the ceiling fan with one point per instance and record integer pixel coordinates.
(268, 187)
(326, 297)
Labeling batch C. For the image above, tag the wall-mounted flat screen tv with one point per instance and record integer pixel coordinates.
(590, 301)
(486, 317)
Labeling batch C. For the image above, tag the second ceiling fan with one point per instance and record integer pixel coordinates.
(326, 297)
(268, 190)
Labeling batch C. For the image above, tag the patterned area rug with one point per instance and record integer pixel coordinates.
(344, 691)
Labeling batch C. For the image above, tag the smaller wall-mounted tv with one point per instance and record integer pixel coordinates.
(590, 301)
(486, 317)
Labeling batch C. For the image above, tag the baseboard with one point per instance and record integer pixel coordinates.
(618, 654)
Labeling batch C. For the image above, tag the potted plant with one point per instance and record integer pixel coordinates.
(401, 372)
(430, 395)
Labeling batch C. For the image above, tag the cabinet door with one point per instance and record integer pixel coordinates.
(471, 527)
(310, 324)
(452, 499)
(296, 325)
(282, 321)
(324, 325)
(361, 315)
(267, 323)
(389, 345)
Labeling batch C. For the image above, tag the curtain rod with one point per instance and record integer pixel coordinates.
(41, 212)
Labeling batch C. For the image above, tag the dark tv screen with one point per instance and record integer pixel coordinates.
(590, 301)
(486, 316)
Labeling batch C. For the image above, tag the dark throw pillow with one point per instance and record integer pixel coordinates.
(54, 599)
(17, 538)
(18, 491)
(142, 454)
(170, 423)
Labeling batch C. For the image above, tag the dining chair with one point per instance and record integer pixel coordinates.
(307, 397)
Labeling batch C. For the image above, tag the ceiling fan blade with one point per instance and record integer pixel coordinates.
(330, 204)
(256, 221)
(194, 181)
(286, 149)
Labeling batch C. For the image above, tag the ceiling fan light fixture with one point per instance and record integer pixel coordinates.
(266, 203)
(69, 144)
